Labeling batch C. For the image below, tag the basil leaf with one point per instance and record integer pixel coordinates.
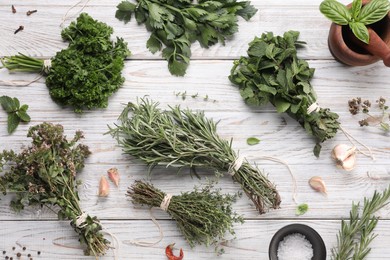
(252, 141)
(336, 12)
(360, 31)
(374, 11)
(281, 106)
(355, 9)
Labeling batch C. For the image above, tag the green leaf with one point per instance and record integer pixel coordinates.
(23, 116)
(177, 68)
(355, 9)
(281, 105)
(385, 126)
(247, 12)
(23, 108)
(374, 11)
(317, 150)
(125, 9)
(301, 209)
(13, 122)
(153, 44)
(360, 31)
(336, 12)
(252, 141)
(8, 104)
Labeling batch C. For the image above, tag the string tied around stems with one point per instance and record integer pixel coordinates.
(46, 66)
(313, 108)
(81, 220)
(165, 202)
(236, 165)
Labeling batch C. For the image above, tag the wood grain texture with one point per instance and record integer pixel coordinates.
(147, 76)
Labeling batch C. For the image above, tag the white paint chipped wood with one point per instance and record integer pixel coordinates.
(147, 74)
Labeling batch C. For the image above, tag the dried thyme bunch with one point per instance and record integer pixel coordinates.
(182, 138)
(44, 174)
(87, 72)
(272, 73)
(203, 215)
(356, 234)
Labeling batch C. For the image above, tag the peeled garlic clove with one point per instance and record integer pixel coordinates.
(317, 184)
(113, 174)
(104, 187)
(345, 156)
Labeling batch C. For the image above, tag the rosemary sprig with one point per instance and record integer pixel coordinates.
(44, 174)
(182, 138)
(355, 236)
(203, 215)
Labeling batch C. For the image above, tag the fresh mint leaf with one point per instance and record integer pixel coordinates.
(8, 104)
(252, 141)
(360, 31)
(23, 116)
(282, 106)
(302, 209)
(13, 122)
(374, 11)
(336, 12)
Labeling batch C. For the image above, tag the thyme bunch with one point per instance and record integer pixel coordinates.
(44, 174)
(183, 138)
(356, 234)
(273, 73)
(203, 215)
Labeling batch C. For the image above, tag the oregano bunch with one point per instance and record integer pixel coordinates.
(16, 113)
(273, 73)
(358, 16)
(176, 24)
(44, 174)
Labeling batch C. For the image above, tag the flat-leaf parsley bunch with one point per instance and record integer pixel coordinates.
(176, 24)
(183, 138)
(272, 73)
(44, 174)
(85, 74)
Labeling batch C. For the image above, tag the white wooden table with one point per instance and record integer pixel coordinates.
(147, 74)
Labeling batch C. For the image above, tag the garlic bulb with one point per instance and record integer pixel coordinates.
(317, 184)
(345, 156)
(104, 187)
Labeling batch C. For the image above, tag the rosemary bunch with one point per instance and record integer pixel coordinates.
(203, 215)
(356, 234)
(182, 138)
(44, 174)
(273, 73)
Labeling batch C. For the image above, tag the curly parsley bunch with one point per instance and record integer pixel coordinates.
(85, 74)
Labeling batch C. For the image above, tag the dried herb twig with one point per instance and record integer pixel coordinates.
(203, 216)
(356, 234)
(182, 138)
(45, 174)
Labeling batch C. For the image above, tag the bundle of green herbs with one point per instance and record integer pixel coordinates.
(183, 138)
(356, 234)
(85, 74)
(272, 73)
(44, 174)
(203, 215)
(175, 25)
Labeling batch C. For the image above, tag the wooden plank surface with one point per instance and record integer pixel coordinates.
(147, 75)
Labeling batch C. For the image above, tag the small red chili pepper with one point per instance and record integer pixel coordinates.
(170, 255)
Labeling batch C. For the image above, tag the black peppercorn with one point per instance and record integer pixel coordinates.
(29, 255)
(24, 248)
(39, 252)
(4, 252)
(18, 254)
(13, 248)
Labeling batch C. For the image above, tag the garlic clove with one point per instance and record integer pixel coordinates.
(345, 156)
(113, 174)
(317, 184)
(104, 187)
